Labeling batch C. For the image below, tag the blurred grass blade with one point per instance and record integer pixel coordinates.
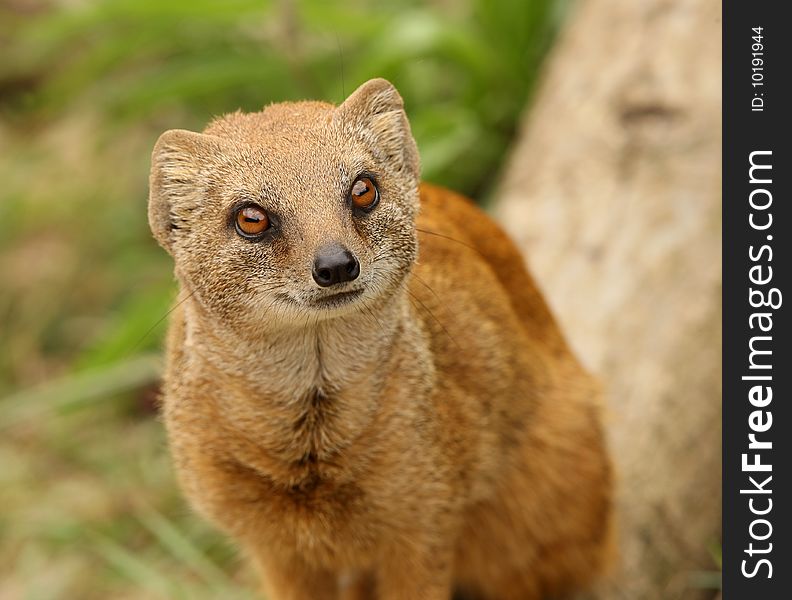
(134, 569)
(705, 580)
(183, 549)
(75, 391)
(716, 552)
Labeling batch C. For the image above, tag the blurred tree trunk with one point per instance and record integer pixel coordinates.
(613, 192)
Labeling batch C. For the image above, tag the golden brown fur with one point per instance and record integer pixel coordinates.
(435, 434)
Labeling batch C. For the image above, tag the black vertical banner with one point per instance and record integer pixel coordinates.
(757, 297)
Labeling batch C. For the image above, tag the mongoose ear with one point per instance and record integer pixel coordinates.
(175, 183)
(376, 111)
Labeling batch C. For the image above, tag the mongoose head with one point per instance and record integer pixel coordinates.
(301, 212)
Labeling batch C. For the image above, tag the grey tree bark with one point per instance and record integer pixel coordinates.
(613, 192)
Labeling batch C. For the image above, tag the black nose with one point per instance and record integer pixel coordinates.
(335, 264)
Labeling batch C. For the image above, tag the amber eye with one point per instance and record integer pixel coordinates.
(364, 194)
(251, 221)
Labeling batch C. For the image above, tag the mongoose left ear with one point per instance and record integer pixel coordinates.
(176, 184)
(376, 112)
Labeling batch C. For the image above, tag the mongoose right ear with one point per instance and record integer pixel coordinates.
(175, 185)
(376, 112)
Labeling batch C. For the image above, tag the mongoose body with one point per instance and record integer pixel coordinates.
(364, 386)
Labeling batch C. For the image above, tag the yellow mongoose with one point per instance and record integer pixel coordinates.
(364, 387)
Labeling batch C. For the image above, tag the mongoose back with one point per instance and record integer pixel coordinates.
(364, 387)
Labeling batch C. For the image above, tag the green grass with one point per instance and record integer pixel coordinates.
(88, 505)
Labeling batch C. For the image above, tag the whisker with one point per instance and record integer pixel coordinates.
(370, 312)
(423, 283)
(160, 320)
(449, 238)
(417, 299)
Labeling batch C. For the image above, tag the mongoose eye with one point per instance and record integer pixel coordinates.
(251, 221)
(364, 194)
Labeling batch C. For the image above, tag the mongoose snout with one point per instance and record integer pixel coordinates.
(334, 264)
